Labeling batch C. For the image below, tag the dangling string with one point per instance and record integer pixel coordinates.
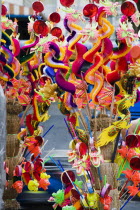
(47, 155)
(62, 169)
(55, 163)
(42, 137)
(60, 165)
(44, 145)
(47, 131)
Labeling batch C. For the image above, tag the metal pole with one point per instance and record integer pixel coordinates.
(2, 143)
(2, 133)
(0, 19)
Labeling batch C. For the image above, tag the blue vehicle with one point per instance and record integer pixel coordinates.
(135, 111)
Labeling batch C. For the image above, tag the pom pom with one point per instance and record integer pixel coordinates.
(44, 176)
(33, 185)
(44, 183)
(18, 186)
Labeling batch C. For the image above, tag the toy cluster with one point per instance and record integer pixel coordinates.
(52, 69)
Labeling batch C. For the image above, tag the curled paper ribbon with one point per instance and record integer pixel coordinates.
(67, 86)
(31, 43)
(15, 47)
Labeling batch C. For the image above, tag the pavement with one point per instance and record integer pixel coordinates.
(58, 137)
(132, 205)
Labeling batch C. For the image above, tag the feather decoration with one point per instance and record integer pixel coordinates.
(137, 150)
(104, 138)
(109, 134)
(121, 124)
(122, 163)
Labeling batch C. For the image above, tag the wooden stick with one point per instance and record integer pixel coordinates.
(95, 123)
(44, 145)
(128, 199)
(115, 148)
(24, 114)
(88, 107)
(123, 187)
(125, 184)
(124, 194)
(72, 128)
(112, 105)
(87, 112)
(68, 127)
(48, 154)
(82, 120)
(20, 154)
